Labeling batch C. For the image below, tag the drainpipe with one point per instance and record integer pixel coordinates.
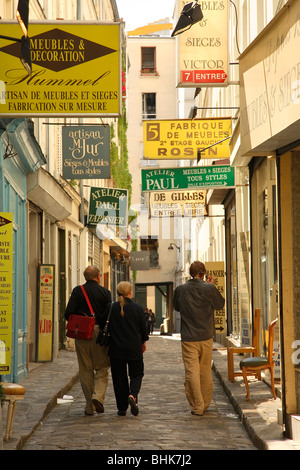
(79, 17)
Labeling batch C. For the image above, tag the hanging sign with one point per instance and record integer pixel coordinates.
(140, 260)
(203, 49)
(75, 70)
(213, 176)
(6, 290)
(178, 204)
(217, 270)
(108, 207)
(86, 152)
(182, 139)
(45, 313)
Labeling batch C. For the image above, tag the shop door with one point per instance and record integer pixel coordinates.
(140, 295)
(264, 246)
(233, 320)
(62, 285)
(34, 261)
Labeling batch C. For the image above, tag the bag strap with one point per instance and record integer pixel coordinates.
(88, 300)
(108, 317)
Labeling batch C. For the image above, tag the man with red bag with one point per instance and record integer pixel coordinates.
(93, 360)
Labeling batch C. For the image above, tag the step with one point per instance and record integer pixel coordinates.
(295, 427)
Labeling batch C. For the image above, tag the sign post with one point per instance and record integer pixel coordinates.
(217, 270)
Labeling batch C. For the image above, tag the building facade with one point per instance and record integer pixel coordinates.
(261, 226)
(271, 140)
(50, 212)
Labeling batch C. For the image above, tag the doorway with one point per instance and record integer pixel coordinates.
(61, 287)
(157, 297)
(264, 250)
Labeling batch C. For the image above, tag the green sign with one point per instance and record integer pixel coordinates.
(210, 177)
(108, 207)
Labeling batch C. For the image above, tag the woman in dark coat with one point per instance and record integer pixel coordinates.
(128, 335)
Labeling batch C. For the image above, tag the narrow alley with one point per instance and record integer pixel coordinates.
(164, 423)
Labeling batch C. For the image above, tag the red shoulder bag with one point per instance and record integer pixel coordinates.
(81, 326)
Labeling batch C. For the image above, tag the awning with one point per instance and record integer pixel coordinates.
(20, 134)
(45, 192)
(216, 196)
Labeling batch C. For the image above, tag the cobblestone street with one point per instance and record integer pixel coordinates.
(164, 423)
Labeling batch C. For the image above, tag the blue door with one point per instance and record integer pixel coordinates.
(13, 200)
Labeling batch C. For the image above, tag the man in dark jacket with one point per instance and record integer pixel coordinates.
(196, 301)
(93, 360)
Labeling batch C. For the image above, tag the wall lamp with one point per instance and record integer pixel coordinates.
(22, 17)
(190, 15)
(25, 51)
(170, 247)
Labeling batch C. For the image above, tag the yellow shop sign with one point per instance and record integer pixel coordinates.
(182, 139)
(75, 70)
(6, 290)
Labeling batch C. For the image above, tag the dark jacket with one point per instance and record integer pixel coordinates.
(99, 298)
(196, 301)
(128, 333)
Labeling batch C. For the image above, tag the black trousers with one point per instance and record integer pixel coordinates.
(122, 386)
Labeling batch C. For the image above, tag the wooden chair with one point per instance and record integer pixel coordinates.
(254, 349)
(252, 365)
(13, 392)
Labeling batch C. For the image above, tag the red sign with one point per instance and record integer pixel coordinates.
(203, 76)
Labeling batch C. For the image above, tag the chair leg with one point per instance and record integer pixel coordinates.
(258, 375)
(246, 383)
(272, 383)
(10, 418)
(230, 365)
